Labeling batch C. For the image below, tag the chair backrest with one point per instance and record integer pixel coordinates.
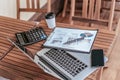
(32, 6)
(91, 10)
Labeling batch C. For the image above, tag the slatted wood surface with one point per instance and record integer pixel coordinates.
(17, 66)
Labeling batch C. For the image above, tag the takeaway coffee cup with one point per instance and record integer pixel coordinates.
(50, 20)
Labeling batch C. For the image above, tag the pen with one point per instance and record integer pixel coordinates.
(74, 40)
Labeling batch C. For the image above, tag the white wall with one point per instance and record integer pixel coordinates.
(8, 8)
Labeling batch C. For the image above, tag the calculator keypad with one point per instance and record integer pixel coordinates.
(31, 36)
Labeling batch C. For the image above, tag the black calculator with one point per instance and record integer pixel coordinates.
(31, 36)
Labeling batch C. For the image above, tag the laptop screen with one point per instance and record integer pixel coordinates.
(23, 49)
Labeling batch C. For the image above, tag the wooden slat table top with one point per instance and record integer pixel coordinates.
(17, 66)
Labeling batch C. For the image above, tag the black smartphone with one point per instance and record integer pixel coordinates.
(97, 57)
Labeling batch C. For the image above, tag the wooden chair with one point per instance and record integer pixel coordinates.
(64, 8)
(91, 11)
(32, 6)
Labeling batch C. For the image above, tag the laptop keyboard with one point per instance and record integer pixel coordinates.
(66, 61)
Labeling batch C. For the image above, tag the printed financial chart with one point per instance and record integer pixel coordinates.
(72, 38)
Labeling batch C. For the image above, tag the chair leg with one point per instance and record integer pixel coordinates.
(48, 5)
(65, 7)
(72, 11)
(111, 14)
(18, 15)
(18, 7)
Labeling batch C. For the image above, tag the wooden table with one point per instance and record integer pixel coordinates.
(17, 66)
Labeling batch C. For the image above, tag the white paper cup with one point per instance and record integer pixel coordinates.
(50, 20)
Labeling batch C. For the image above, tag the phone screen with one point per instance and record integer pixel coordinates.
(97, 57)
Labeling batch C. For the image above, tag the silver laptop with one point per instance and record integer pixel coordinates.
(62, 64)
